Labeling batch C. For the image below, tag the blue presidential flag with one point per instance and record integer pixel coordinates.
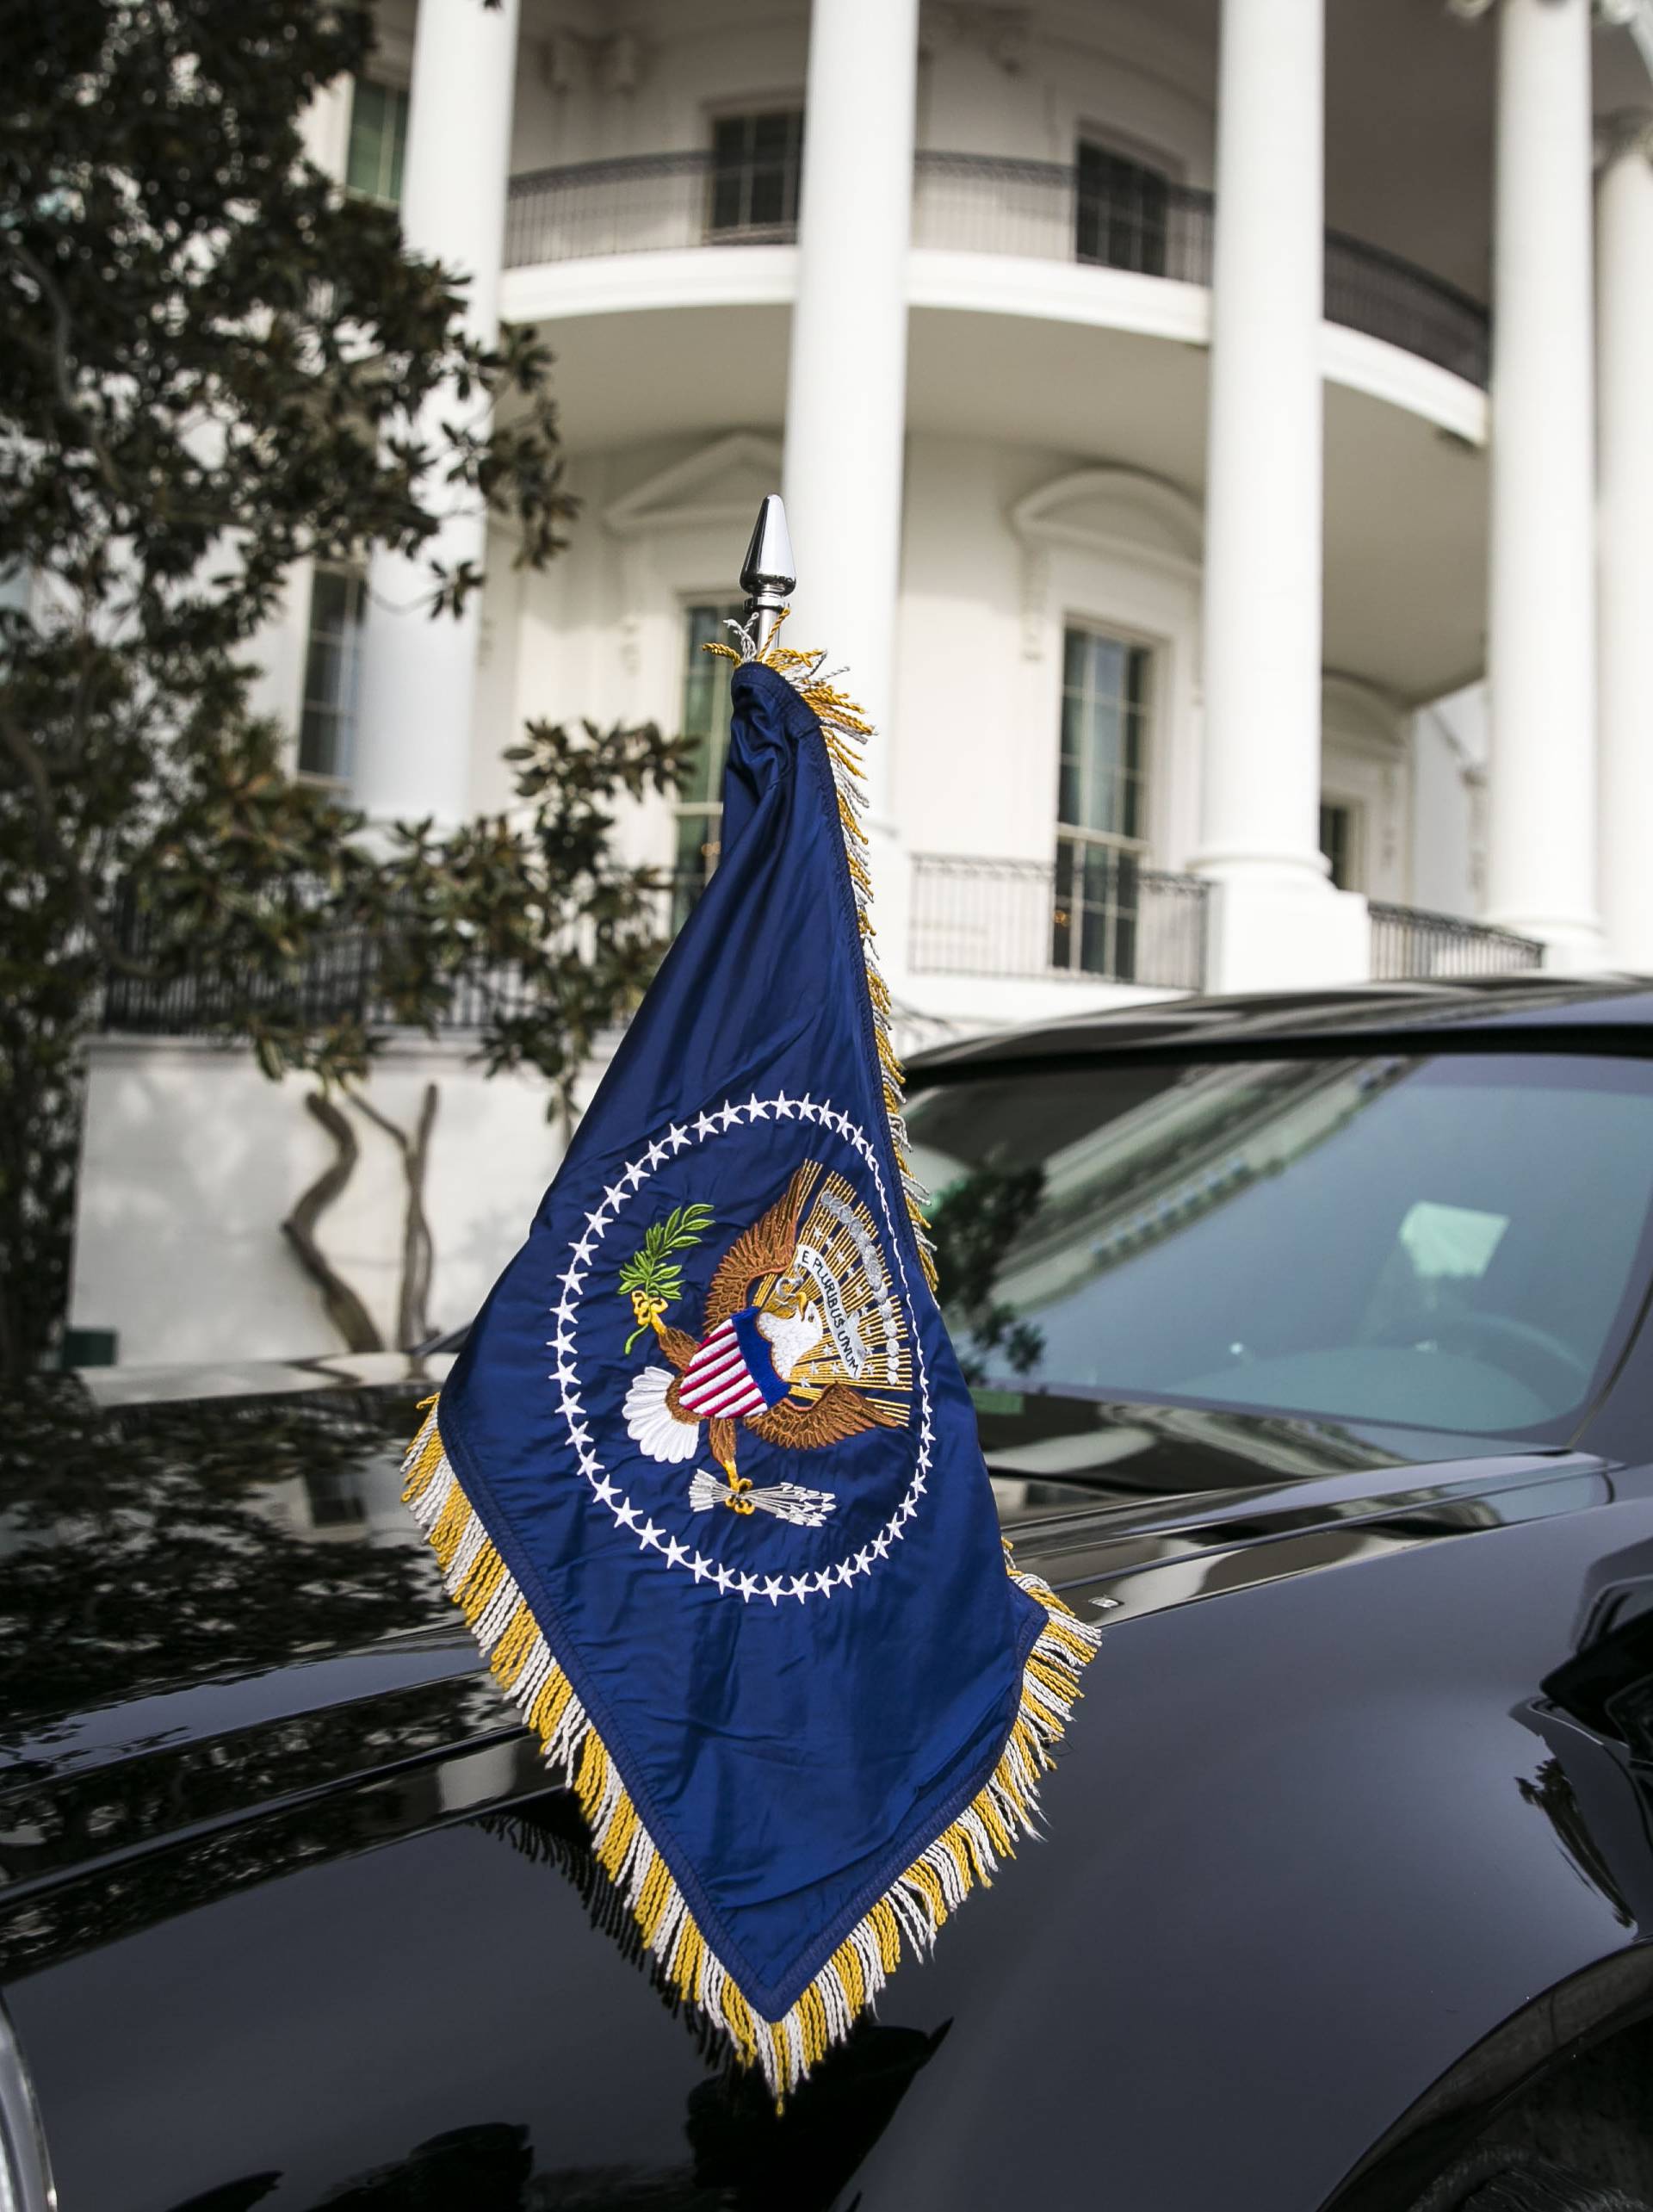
(705, 1479)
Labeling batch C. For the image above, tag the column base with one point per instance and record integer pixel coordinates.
(1570, 948)
(1267, 934)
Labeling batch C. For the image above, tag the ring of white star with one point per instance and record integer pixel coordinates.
(631, 1179)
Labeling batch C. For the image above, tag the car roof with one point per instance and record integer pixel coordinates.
(1557, 1011)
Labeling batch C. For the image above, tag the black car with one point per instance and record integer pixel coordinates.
(1309, 1343)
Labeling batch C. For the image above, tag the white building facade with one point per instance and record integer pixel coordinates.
(1217, 435)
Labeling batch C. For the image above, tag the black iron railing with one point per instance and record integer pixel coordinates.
(988, 203)
(1409, 945)
(1114, 921)
(343, 979)
(983, 203)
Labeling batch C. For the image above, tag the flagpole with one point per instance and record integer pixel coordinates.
(766, 574)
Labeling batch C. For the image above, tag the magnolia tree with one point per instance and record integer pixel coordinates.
(214, 366)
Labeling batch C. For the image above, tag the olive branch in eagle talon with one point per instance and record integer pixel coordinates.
(766, 1359)
(651, 1277)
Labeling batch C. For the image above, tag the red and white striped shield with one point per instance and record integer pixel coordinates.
(722, 1381)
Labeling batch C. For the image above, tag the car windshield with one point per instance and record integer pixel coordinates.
(1450, 1242)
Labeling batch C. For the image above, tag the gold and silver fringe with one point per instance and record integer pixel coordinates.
(911, 1912)
(845, 730)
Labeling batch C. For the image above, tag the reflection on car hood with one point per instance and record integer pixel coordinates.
(217, 1615)
(156, 1546)
(197, 1562)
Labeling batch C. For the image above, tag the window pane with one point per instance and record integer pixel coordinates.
(329, 599)
(317, 742)
(1103, 811)
(1101, 802)
(1062, 920)
(367, 125)
(1121, 210)
(1124, 940)
(1336, 842)
(322, 686)
(768, 205)
(398, 147)
(1099, 875)
(1103, 741)
(373, 166)
(755, 163)
(1093, 943)
(332, 673)
(706, 718)
(1107, 664)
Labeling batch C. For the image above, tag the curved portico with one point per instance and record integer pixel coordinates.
(1323, 405)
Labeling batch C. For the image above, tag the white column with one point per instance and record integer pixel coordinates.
(846, 385)
(1276, 920)
(325, 127)
(419, 677)
(1541, 606)
(1625, 534)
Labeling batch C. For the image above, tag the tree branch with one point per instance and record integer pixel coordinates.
(345, 1309)
(418, 1245)
(62, 360)
(58, 855)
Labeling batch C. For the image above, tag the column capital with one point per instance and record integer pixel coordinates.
(1001, 33)
(1624, 134)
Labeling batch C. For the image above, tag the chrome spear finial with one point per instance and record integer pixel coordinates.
(766, 574)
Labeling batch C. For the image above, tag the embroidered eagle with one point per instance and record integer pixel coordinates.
(771, 1361)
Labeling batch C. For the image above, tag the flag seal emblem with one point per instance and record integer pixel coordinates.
(805, 1342)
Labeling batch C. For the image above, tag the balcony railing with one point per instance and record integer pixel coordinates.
(981, 203)
(1411, 945)
(342, 980)
(1132, 925)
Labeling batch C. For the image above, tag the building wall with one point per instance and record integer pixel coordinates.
(191, 1160)
(1449, 813)
(1004, 544)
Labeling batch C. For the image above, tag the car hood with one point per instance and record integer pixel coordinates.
(186, 1564)
(226, 1649)
(254, 1768)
